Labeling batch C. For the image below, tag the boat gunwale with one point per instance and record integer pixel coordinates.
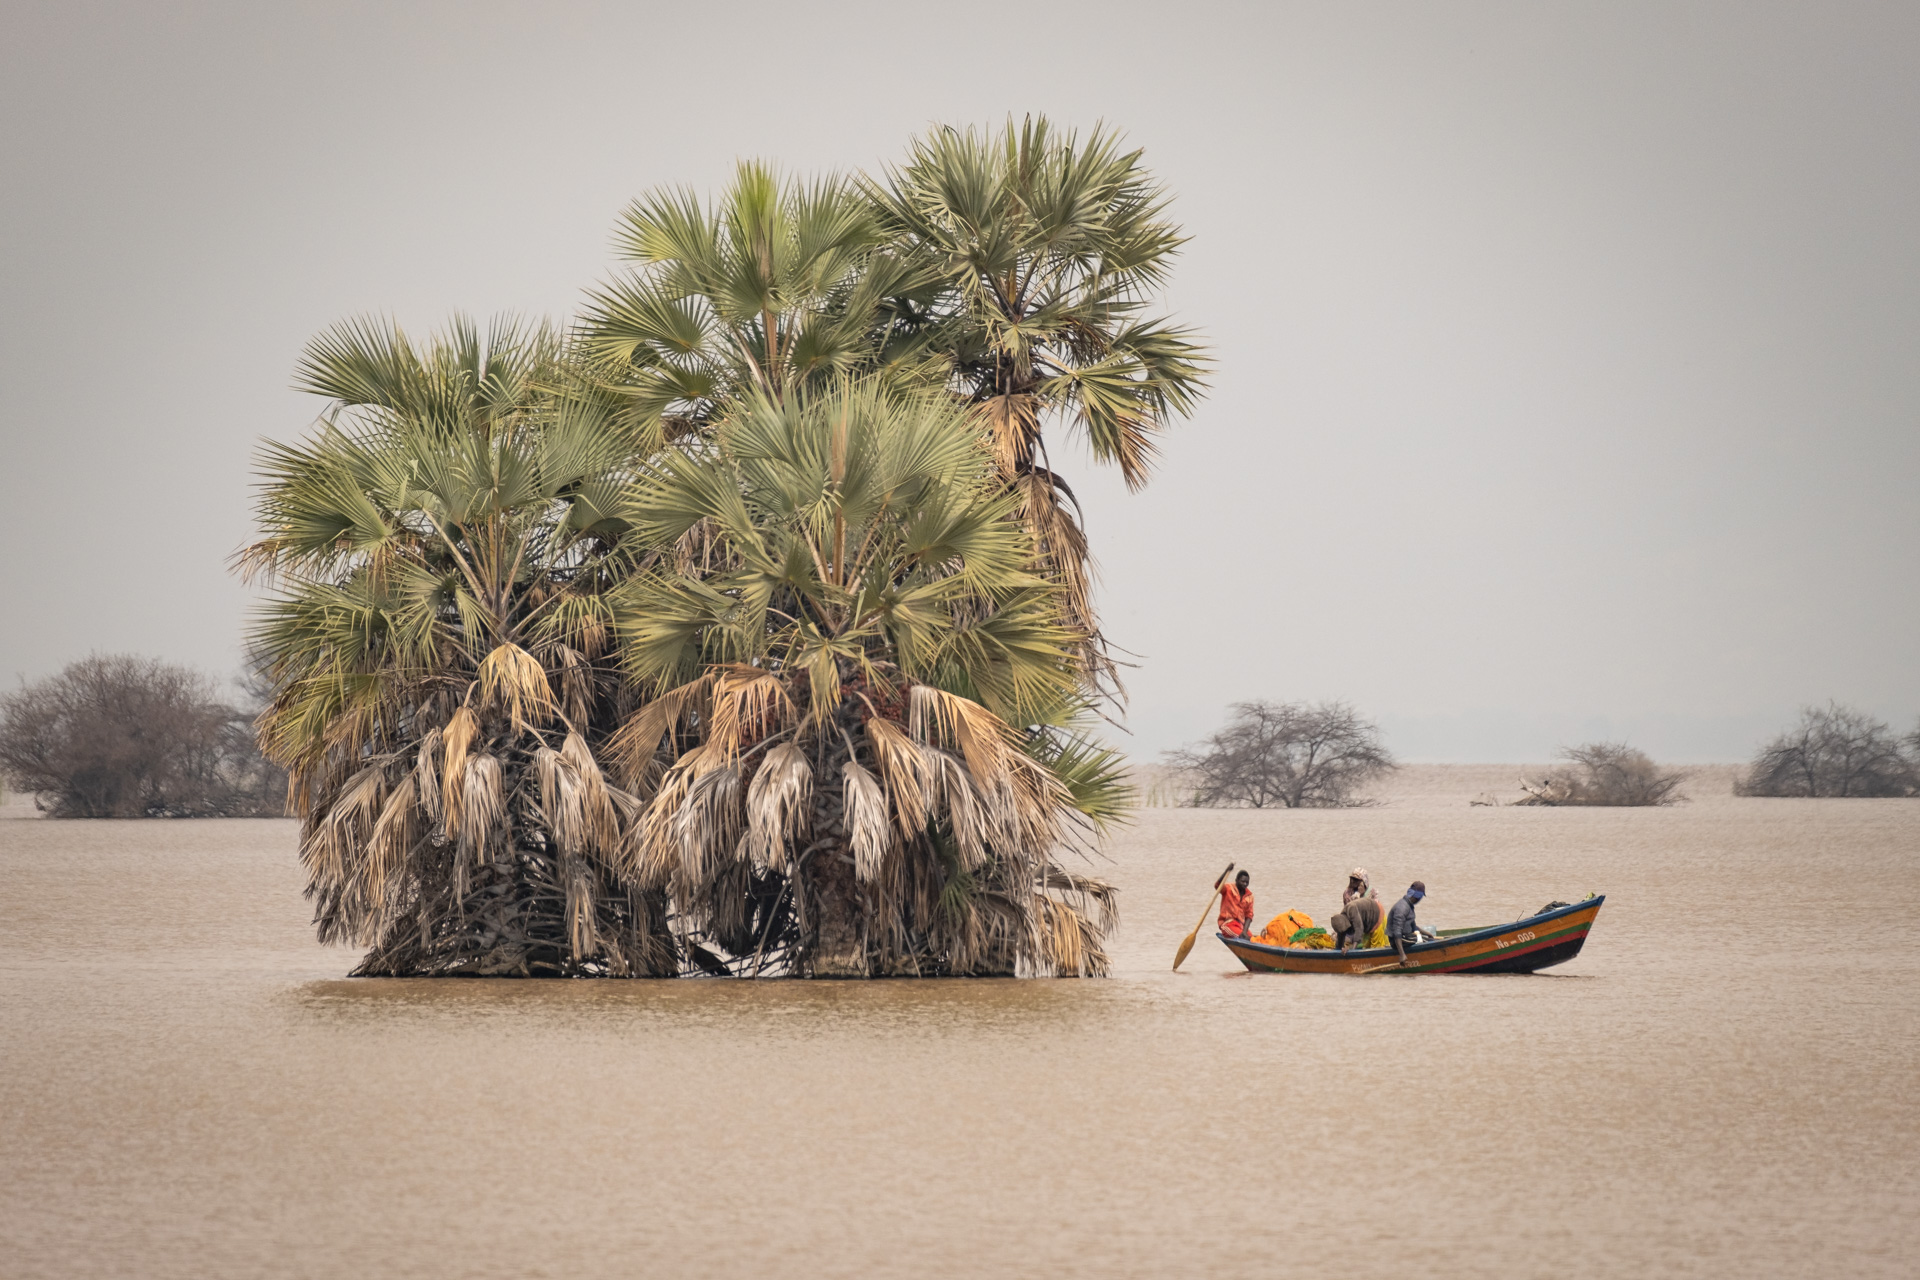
(1491, 931)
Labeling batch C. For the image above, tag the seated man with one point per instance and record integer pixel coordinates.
(1236, 907)
(1355, 923)
(1402, 929)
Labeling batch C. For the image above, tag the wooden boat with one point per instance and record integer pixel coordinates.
(1552, 937)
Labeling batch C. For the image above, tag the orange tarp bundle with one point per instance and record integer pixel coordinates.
(1284, 926)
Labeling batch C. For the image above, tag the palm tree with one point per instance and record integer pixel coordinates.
(777, 284)
(1050, 249)
(863, 698)
(439, 652)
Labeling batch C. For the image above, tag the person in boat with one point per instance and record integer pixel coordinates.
(1352, 929)
(1236, 907)
(1402, 929)
(1355, 922)
(1360, 925)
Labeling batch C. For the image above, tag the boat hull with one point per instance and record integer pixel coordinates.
(1537, 942)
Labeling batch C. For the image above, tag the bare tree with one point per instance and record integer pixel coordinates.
(128, 737)
(1290, 755)
(1835, 751)
(1605, 773)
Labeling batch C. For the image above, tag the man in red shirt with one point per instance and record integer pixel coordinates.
(1236, 907)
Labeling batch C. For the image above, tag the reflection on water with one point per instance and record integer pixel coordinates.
(756, 1010)
(1723, 1080)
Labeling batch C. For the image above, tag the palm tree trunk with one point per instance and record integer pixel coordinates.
(837, 945)
(839, 948)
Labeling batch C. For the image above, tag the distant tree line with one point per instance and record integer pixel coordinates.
(119, 736)
(1299, 755)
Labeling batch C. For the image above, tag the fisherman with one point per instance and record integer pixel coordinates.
(1354, 923)
(1236, 907)
(1352, 928)
(1402, 928)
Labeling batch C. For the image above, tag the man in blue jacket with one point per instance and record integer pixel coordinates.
(1402, 928)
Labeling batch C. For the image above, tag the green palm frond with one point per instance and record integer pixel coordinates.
(777, 284)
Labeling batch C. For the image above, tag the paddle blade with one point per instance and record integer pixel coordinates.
(1188, 944)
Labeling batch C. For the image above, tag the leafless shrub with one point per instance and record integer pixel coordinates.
(125, 737)
(1288, 755)
(1835, 751)
(1606, 774)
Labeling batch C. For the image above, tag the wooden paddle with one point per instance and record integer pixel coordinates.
(1187, 945)
(1382, 968)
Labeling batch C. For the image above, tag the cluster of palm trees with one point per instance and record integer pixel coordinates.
(744, 626)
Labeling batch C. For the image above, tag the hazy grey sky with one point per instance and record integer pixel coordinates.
(1568, 353)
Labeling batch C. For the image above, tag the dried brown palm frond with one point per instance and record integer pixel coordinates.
(559, 798)
(356, 722)
(747, 705)
(1060, 546)
(512, 679)
(483, 809)
(868, 831)
(635, 745)
(908, 773)
(392, 840)
(426, 777)
(1096, 899)
(709, 825)
(939, 718)
(1068, 943)
(583, 934)
(779, 805)
(966, 816)
(658, 839)
(332, 848)
(1012, 425)
(1035, 803)
(600, 819)
(577, 693)
(456, 740)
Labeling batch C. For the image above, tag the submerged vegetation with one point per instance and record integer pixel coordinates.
(740, 628)
(1608, 775)
(1835, 751)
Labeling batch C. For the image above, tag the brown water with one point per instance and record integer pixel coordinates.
(1724, 1083)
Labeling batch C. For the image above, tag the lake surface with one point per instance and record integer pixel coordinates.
(1723, 1083)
